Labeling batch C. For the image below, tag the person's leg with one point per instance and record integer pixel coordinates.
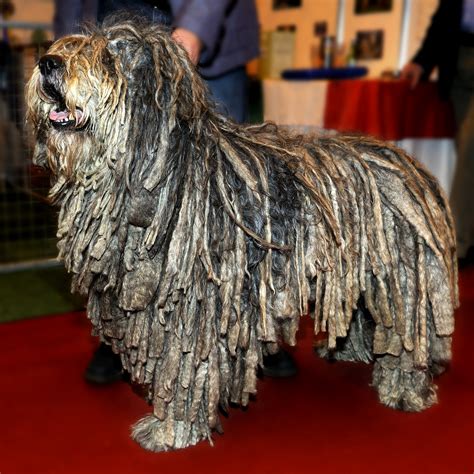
(462, 194)
(229, 91)
(104, 367)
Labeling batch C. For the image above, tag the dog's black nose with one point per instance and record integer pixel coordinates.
(49, 63)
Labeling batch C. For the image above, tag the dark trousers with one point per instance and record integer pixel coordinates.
(229, 90)
(462, 194)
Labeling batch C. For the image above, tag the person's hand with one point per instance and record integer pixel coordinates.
(412, 72)
(190, 42)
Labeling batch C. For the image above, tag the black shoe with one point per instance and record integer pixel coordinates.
(105, 366)
(280, 364)
(468, 260)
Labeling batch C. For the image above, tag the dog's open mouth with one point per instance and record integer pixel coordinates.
(61, 116)
(63, 119)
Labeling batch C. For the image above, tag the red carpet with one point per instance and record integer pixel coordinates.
(325, 420)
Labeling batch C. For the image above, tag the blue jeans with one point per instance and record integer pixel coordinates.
(229, 90)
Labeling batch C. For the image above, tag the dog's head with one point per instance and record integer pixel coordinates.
(94, 95)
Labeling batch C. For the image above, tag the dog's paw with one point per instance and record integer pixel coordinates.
(156, 435)
(405, 390)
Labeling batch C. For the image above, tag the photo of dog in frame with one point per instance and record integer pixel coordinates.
(200, 243)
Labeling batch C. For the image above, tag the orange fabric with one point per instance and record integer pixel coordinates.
(390, 110)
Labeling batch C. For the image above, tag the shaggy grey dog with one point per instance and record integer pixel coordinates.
(200, 242)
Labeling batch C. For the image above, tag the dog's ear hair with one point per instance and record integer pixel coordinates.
(180, 96)
(158, 74)
(179, 87)
(180, 93)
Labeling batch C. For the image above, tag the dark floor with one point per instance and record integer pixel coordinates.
(31, 293)
(27, 222)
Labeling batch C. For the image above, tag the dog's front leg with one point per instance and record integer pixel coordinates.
(182, 415)
(155, 434)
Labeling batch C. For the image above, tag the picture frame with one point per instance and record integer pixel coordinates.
(284, 4)
(320, 28)
(369, 45)
(372, 6)
(291, 28)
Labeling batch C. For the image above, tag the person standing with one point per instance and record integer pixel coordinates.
(221, 37)
(449, 47)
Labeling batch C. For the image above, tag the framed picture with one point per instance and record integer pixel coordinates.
(282, 4)
(369, 44)
(372, 6)
(321, 28)
(291, 28)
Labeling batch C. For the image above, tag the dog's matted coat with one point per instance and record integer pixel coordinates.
(199, 242)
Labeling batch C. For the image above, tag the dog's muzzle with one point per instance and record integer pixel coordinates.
(52, 67)
(49, 63)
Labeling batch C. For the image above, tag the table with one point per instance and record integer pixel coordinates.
(416, 120)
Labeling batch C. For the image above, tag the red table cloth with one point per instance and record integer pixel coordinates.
(390, 110)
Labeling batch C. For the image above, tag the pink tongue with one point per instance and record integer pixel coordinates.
(53, 115)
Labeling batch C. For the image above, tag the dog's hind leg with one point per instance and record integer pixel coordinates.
(357, 345)
(403, 385)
